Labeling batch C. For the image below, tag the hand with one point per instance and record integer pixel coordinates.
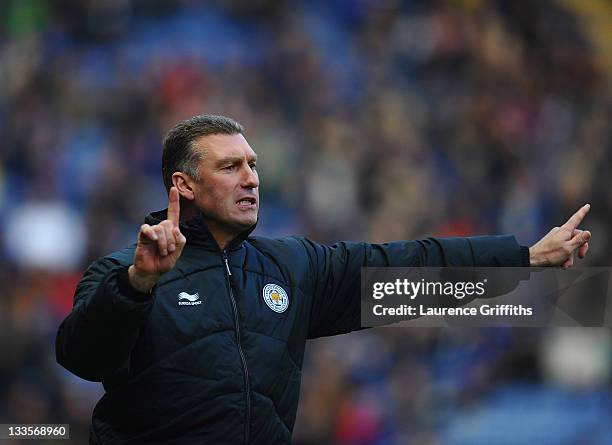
(558, 246)
(159, 248)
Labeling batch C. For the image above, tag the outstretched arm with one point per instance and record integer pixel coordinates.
(334, 288)
(335, 294)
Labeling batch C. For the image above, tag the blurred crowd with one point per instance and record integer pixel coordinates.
(373, 121)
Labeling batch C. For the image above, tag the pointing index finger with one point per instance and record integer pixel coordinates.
(577, 217)
(174, 207)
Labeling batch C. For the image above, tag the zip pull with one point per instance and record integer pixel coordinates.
(229, 272)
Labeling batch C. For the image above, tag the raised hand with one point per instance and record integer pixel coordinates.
(558, 246)
(159, 247)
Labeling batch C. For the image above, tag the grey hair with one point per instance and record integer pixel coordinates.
(179, 153)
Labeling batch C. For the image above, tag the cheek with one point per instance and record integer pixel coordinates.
(216, 196)
(212, 199)
(205, 199)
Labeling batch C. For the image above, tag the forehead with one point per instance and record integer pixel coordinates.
(220, 146)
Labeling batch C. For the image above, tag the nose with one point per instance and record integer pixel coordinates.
(250, 179)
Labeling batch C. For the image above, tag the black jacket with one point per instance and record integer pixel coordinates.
(205, 359)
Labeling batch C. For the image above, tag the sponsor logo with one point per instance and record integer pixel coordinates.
(275, 297)
(185, 299)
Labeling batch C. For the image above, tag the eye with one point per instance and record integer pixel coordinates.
(229, 168)
(253, 166)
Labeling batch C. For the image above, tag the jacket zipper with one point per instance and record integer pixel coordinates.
(244, 363)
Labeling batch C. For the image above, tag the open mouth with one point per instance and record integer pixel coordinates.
(247, 202)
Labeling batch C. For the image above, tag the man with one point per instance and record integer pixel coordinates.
(198, 331)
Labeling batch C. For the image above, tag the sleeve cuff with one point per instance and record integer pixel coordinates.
(126, 288)
(525, 260)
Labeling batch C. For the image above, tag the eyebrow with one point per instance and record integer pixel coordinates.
(235, 159)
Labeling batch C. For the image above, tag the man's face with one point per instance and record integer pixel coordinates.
(228, 192)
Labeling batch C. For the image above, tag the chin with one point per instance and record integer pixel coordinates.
(245, 223)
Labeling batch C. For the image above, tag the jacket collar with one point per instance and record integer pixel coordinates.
(197, 233)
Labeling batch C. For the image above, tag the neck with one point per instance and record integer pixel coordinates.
(188, 210)
(221, 235)
(222, 240)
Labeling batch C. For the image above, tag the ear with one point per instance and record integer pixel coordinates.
(184, 183)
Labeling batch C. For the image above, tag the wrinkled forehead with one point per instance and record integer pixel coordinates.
(215, 147)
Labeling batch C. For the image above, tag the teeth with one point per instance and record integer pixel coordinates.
(244, 201)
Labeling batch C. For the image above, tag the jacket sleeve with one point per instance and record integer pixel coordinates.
(96, 338)
(336, 270)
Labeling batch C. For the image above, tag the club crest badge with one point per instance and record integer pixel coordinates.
(275, 297)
